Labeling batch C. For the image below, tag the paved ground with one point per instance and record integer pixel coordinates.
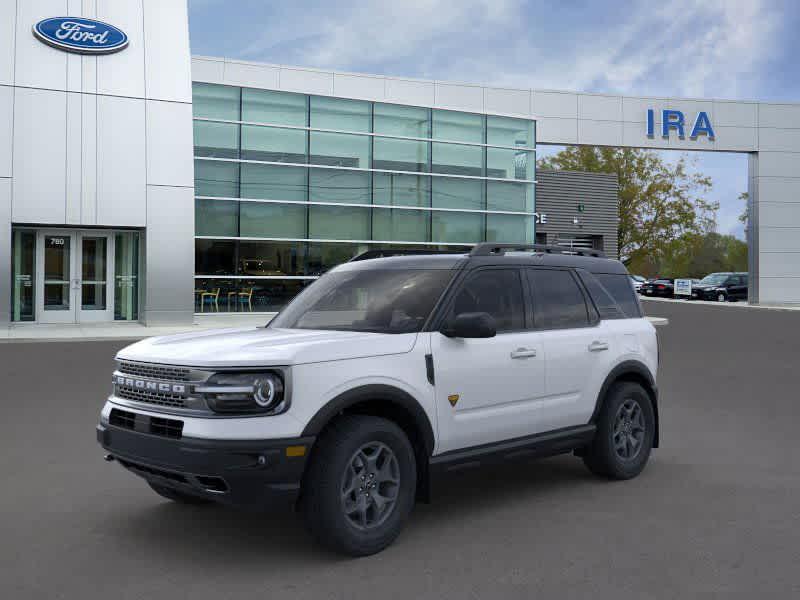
(715, 514)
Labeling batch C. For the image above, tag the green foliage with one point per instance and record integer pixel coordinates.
(695, 255)
(745, 216)
(660, 203)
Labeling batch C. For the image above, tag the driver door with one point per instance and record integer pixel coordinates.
(487, 390)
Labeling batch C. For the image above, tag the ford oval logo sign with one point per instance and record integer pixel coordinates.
(84, 36)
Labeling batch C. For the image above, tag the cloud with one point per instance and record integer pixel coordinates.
(686, 47)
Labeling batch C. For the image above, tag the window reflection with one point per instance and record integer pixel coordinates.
(219, 140)
(272, 258)
(280, 108)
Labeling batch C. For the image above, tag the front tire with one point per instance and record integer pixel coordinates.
(722, 297)
(625, 433)
(360, 485)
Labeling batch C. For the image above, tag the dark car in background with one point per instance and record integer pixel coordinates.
(660, 288)
(722, 287)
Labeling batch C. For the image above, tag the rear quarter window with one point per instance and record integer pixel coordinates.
(613, 295)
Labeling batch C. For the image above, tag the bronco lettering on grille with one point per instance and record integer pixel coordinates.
(151, 386)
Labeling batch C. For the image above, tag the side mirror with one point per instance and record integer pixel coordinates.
(471, 325)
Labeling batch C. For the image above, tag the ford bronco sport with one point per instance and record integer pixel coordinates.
(387, 371)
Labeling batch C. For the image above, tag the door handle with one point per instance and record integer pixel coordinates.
(523, 353)
(598, 346)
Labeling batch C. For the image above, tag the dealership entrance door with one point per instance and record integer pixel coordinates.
(75, 276)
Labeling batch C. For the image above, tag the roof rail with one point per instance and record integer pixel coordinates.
(489, 248)
(386, 252)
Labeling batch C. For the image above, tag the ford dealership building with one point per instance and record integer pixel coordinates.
(138, 183)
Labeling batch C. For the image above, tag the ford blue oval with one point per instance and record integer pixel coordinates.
(84, 36)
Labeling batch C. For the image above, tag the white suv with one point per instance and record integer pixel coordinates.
(387, 371)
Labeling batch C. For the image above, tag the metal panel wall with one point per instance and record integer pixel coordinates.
(558, 195)
(169, 255)
(77, 129)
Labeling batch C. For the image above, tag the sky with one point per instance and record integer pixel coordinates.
(732, 49)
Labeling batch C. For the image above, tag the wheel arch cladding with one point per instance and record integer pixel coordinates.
(389, 403)
(634, 372)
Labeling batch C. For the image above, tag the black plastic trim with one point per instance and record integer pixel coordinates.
(429, 370)
(255, 472)
(538, 445)
(373, 392)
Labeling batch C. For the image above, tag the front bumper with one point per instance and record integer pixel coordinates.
(704, 294)
(245, 473)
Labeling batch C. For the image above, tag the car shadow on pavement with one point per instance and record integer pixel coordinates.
(218, 536)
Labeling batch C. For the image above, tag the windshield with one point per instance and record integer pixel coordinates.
(379, 301)
(714, 279)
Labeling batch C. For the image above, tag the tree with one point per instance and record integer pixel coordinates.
(694, 255)
(744, 218)
(659, 202)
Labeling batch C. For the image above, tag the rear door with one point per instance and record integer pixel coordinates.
(487, 389)
(578, 347)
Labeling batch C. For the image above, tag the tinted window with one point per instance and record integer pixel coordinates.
(558, 302)
(607, 307)
(621, 290)
(497, 292)
(379, 301)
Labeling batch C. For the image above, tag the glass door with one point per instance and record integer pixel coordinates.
(56, 277)
(94, 300)
(73, 277)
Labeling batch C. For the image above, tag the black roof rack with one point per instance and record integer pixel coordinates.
(489, 248)
(386, 252)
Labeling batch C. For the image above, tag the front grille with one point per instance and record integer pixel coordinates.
(122, 418)
(166, 427)
(171, 428)
(166, 373)
(151, 397)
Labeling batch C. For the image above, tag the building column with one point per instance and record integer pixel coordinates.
(5, 250)
(774, 227)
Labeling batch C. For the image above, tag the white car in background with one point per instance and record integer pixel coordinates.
(637, 281)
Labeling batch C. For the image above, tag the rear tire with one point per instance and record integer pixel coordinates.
(625, 432)
(360, 485)
(175, 495)
(722, 297)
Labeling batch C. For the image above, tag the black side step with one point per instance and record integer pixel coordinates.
(539, 445)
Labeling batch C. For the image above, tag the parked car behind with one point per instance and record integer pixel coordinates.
(638, 281)
(722, 287)
(662, 288)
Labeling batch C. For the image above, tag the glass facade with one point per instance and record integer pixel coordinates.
(289, 185)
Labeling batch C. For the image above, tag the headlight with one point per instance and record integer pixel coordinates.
(720, 289)
(245, 393)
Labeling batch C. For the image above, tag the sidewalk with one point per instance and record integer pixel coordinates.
(88, 332)
(739, 304)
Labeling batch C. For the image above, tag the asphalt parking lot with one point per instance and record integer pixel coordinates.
(715, 514)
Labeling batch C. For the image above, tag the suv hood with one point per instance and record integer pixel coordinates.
(260, 347)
